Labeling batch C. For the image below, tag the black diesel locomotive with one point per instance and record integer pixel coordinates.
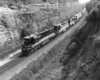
(34, 42)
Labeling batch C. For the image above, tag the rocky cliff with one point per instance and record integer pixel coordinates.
(19, 21)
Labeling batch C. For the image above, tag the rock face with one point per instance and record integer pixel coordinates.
(31, 19)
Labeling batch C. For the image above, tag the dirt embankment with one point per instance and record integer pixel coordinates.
(83, 63)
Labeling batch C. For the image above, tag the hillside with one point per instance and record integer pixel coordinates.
(20, 2)
(84, 62)
(19, 21)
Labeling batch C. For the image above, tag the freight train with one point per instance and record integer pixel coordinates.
(34, 42)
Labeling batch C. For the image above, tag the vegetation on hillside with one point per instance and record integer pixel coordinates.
(84, 62)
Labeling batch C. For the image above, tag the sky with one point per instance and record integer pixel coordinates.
(83, 1)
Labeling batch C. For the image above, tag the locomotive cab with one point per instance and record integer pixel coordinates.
(34, 38)
(56, 29)
(26, 45)
(28, 41)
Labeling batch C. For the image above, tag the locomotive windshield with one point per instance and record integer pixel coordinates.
(27, 41)
(32, 39)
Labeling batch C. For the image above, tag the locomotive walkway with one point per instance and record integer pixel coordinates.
(13, 67)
